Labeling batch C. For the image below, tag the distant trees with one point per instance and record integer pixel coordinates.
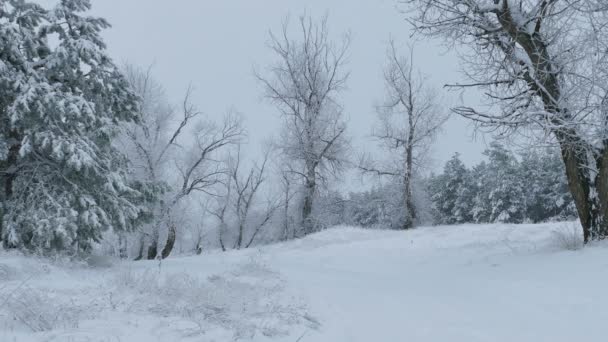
(305, 84)
(379, 207)
(410, 117)
(545, 187)
(88, 150)
(452, 193)
(543, 65)
(61, 99)
(503, 189)
(241, 212)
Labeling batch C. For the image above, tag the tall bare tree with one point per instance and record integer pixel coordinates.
(409, 119)
(305, 83)
(543, 64)
(158, 154)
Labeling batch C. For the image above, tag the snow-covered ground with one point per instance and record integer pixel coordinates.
(459, 283)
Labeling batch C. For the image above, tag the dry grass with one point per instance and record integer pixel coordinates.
(568, 236)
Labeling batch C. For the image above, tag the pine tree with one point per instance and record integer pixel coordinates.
(482, 184)
(61, 98)
(506, 190)
(545, 186)
(452, 196)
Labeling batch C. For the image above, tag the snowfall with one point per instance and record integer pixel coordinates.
(447, 283)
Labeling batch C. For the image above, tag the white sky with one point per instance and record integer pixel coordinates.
(215, 45)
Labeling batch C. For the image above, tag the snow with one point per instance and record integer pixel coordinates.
(449, 283)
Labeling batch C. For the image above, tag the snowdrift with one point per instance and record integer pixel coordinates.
(449, 283)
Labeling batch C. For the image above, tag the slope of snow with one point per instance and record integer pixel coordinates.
(458, 283)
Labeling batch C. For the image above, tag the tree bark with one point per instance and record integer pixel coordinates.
(170, 242)
(239, 241)
(410, 210)
(152, 250)
(122, 245)
(140, 254)
(221, 235)
(286, 212)
(309, 191)
(10, 175)
(590, 193)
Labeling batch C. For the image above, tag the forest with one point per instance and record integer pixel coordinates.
(100, 163)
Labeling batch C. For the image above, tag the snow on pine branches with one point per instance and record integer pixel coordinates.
(61, 97)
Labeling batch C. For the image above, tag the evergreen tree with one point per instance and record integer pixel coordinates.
(452, 196)
(61, 97)
(506, 190)
(545, 186)
(481, 208)
(502, 189)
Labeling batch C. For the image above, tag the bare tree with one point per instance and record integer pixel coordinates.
(221, 210)
(410, 118)
(159, 154)
(304, 84)
(543, 64)
(242, 199)
(288, 195)
(199, 232)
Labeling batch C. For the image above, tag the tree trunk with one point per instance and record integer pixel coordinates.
(199, 248)
(221, 234)
(152, 250)
(122, 245)
(590, 192)
(10, 174)
(239, 241)
(170, 242)
(309, 190)
(142, 244)
(286, 212)
(410, 210)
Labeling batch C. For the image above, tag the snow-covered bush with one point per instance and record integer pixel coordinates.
(247, 301)
(568, 236)
(40, 310)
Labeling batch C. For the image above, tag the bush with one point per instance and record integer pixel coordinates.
(39, 311)
(568, 236)
(246, 302)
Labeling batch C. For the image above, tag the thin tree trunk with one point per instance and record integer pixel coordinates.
(10, 174)
(309, 191)
(199, 247)
(239, 240)
(152, 245)
(286, 213)
(410, 211)
(122, 245)
(221, 237)
(142, 244)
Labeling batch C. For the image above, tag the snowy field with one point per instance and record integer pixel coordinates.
(458, 284)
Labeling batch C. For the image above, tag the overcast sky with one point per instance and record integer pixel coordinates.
(215, 45)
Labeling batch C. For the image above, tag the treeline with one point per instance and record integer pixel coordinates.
(505, 188)
(95, 156)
